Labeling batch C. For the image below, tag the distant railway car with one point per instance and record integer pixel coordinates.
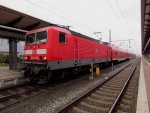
(120, 55)
(55, 48)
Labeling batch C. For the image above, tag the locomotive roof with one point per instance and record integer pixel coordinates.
(77, 33)
(72, 32)
(87, 37)
(83, 36)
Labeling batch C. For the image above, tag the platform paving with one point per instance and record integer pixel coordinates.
(143, 101)
(6, 73)
(10, 77)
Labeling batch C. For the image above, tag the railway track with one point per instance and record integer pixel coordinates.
(16, 94)
(113, 95)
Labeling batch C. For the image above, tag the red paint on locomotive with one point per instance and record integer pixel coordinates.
(57, 48)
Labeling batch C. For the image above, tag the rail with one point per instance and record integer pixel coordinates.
(86, 94)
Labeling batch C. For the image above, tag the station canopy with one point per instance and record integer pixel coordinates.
(17, 20)
(145, 26)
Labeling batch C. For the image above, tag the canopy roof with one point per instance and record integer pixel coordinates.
(21, 21)
(145, 26)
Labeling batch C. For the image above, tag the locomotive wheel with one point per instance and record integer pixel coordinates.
(75, 71)
(45, 78)
(31, 79)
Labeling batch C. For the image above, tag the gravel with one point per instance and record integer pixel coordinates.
(55, 97)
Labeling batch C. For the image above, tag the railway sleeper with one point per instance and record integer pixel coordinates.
(97, 102)
(131, 89)
(77, 110)
(13, 100)
(111, 88)
(95, 96)
(130, 93)
(121, 111)
(124, 107)
(117, 79)
(126, 101)
(92, 108)
(108, 90)
(120, 82)
(2, 105)
(104, 94)
(115, 85)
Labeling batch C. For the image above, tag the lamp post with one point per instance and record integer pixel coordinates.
(109, 36)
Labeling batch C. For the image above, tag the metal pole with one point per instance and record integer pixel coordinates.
(15, 54)
(109, 36)
(11, 54)
(112, 65)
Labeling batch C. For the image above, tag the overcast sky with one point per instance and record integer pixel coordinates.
(122, 17)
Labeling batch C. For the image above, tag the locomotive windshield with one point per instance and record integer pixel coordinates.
(37, 37)
(30, 38)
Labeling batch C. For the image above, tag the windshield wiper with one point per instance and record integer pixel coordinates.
(40, 41)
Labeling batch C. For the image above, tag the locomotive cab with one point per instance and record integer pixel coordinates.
(35, 55)
(35, 46)
(43, 52)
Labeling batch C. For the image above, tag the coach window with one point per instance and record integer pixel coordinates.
(62, 38)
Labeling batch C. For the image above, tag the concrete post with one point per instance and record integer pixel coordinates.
(15, 54)
(12, 54)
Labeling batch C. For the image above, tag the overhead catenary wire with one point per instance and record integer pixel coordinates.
(83, 25)
(64, 13)
(31, 2)
(46, 9)
(122, 14)
(130, 33)
(113, 11)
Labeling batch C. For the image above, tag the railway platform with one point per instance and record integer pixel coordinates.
(10, 77)
(143, 101)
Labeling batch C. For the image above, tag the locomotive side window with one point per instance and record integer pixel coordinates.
(62, 38)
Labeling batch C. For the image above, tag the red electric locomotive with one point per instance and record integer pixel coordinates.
(56, 48)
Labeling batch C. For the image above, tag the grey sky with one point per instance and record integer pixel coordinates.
(4, 45)
(88, 16)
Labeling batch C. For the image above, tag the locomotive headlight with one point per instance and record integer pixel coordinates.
(44, 57)
(25, 57)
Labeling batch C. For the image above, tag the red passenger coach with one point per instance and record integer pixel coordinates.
(57, 48)
(120, 55)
